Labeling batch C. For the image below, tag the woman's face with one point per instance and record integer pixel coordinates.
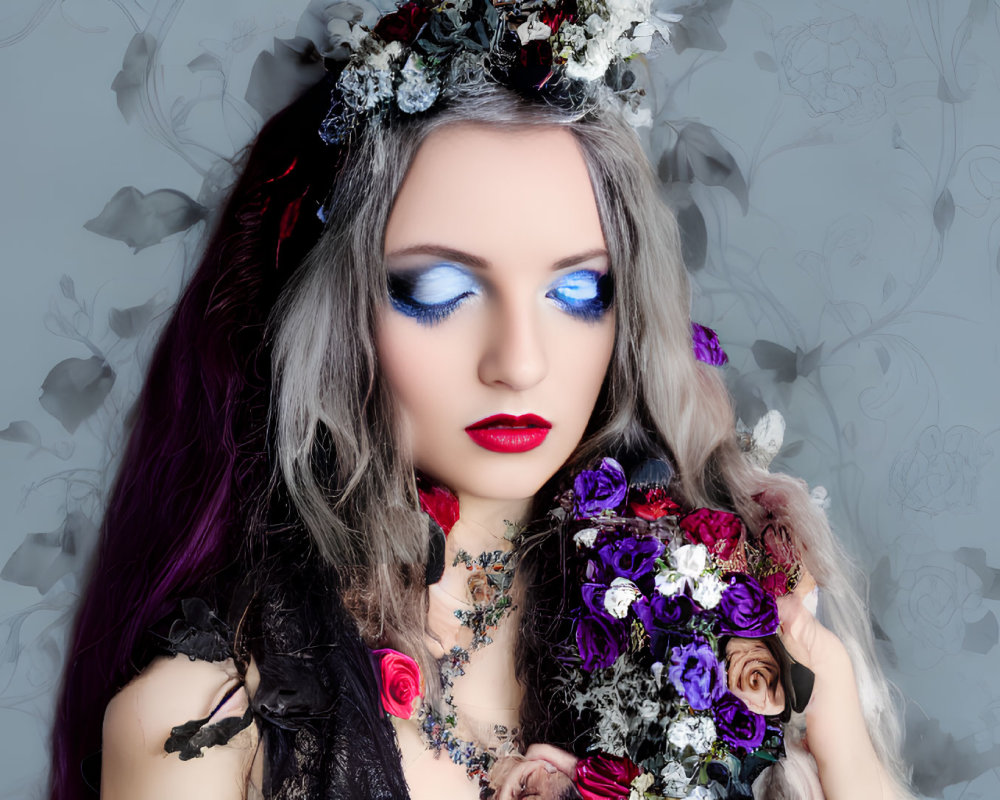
(498, 326)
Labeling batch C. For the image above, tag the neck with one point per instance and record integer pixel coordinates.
(482, 522)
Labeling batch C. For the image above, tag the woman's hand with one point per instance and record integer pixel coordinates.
(543, 772)
(836, 733)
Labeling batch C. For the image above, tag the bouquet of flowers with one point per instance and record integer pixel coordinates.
(675, 627)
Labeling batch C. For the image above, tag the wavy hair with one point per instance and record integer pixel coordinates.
(336, 427)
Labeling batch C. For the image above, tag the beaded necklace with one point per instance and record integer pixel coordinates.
(491, 575)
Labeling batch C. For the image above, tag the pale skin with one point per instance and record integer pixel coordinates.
(513, 225)
(514, 212)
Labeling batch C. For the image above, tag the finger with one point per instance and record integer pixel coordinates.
(557, 757)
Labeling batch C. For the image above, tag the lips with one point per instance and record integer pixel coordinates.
(505, 433)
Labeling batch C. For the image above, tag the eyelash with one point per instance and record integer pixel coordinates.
(589, 309)
(404, 288)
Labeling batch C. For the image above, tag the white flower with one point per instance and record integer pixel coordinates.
(675, 779)
(708, 591)
(649, 710)
(620, 596)
(346, 27)
(364, 88)
(700, 793)
(586, 537)
(532, 29)
(383, 58)
(657, 670)
(343, 39)
(698, 733)
(594, 24)
(690, 559)
(417, 92)
(669, 583)
(597, 58)
(573, 36)
(640, 785)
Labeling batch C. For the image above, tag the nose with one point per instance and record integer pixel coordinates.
(514, 353)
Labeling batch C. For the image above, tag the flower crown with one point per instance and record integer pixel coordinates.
(559, 48)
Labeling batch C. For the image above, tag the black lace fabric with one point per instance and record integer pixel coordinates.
(317, 705)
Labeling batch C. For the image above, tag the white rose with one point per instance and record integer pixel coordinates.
(649, 710)
(690, 559)
(698, 733)
(586, 537)
(675, 779)
(703, 735)
(669, 583)
(700, 793)
(708, 592)
(620, 596)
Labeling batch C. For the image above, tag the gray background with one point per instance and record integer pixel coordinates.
(838, 172)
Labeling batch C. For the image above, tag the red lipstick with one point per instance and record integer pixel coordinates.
(504, 433)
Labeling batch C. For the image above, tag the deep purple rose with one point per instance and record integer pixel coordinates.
(600, 640)
(706, 346)
(593, 598)
(599, 489)
(664, 618)
(745, 608)
(630, 557)
(697, 675)
(736, 724)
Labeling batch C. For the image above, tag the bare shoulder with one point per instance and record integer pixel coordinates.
(139, 720)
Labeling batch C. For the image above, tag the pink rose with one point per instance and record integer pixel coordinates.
(603, 777)
(719, 531)
(401, 684)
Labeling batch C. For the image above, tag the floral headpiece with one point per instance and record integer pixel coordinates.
(559, 47)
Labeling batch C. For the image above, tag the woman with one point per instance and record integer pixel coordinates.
(455, 315)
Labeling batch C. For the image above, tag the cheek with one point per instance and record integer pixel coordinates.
(419, 364)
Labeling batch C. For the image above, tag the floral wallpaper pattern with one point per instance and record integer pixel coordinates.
(836, 172)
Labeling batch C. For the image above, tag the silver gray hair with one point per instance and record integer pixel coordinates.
(337, 429)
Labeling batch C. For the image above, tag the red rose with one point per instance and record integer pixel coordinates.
(439, 503)
(775, 584)
(602, 777)
(652, 504)
(404, 24)
(719, 531)
(401, 684)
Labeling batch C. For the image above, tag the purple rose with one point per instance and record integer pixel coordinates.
(600, 640)
(697, 675)
(745, 608)
(630, 557)
(736, 724)
(599, 489)
(664, 619)
(706, 346)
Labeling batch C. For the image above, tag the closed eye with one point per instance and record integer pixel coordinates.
(429, 295)
(585, 293)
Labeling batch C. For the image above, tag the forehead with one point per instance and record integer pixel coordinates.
(498, 192)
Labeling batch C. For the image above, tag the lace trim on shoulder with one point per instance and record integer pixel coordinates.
(202, 636)
(199, 633)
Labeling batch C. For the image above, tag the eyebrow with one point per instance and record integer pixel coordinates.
(476, 262)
